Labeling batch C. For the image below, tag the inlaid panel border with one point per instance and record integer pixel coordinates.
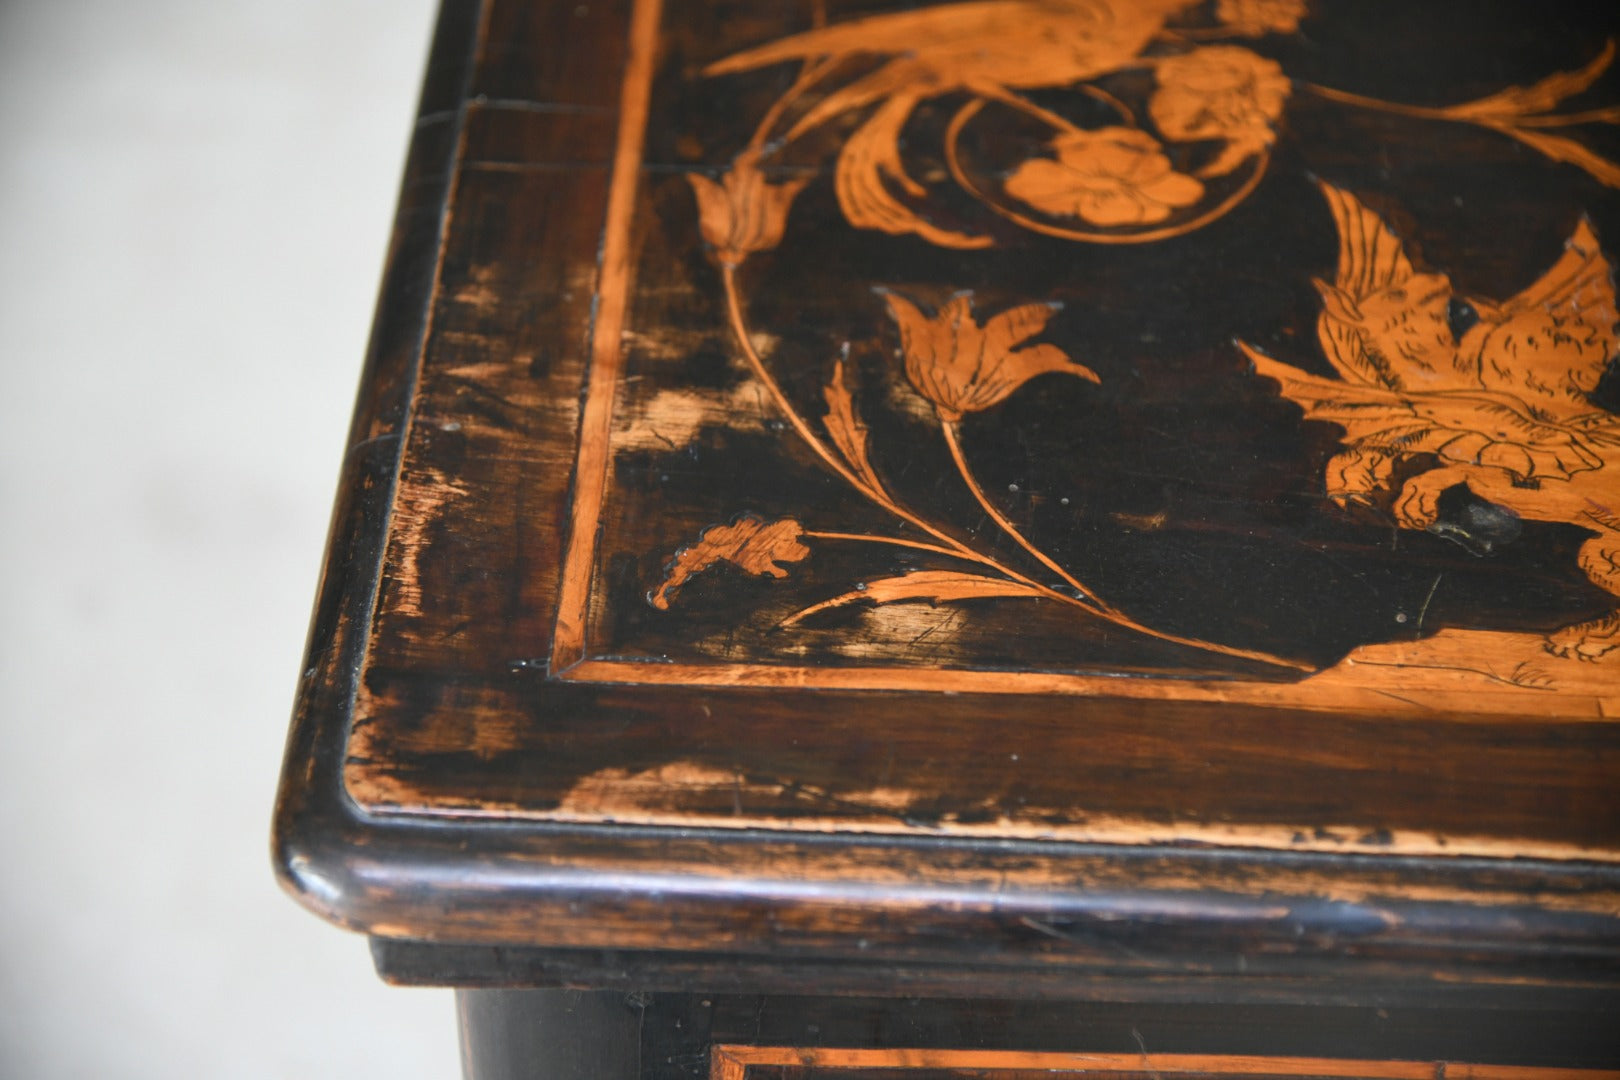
(1398, 679)
(731, 1062)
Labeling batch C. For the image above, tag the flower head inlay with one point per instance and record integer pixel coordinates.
(1113, 176)
(1220, 92)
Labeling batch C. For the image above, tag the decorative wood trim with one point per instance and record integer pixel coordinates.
(607, 348)
(1467, 703)
(729, 1062)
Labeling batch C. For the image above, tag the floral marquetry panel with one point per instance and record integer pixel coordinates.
(1170, 427)
(1003, 385)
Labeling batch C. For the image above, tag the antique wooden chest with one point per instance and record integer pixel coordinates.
(992, 538)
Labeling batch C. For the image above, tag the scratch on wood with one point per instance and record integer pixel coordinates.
(421, 502)
(1427, 600)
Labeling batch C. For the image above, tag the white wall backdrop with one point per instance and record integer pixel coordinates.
(194, 206)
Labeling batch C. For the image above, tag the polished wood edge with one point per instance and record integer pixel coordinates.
(732, 1062)
(310, 785)
(508, 887)
(1336, 837)
(1220, 980)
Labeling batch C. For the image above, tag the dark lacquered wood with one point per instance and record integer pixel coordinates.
(554, 1034)
(1155, 978)
(736, 1037)
(548, 710)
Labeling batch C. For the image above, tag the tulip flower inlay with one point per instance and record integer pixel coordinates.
(743, 213)
(962, 367)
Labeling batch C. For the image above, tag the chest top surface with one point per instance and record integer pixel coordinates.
(937, 453)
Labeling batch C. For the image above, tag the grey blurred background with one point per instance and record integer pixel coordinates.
(194, 206)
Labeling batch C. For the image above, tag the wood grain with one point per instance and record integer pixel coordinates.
(1172, 703)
